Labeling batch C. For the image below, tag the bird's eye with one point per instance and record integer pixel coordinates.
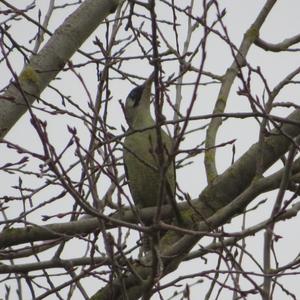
(136, 95)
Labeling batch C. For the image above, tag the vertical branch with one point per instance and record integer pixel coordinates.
(41, 30)
(239, 60)
(97, 120)
(268, 241)
(186, 44)
(157, 108)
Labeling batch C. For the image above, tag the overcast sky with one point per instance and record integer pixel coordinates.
(282, 23)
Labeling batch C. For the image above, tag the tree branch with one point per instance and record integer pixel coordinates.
(44, 66)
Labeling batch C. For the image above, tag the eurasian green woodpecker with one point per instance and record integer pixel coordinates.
(140, 155)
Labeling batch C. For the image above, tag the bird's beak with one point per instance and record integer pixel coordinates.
(147, 87)
(151, 77)
(149, 81)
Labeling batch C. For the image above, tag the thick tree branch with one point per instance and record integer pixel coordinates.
(239, 60)
(282, 46)
(44, 66)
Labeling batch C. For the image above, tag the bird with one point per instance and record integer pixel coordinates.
(140, 152)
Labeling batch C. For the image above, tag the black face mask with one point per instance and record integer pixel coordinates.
(136, 95)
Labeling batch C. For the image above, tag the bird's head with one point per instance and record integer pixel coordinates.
(137, 105)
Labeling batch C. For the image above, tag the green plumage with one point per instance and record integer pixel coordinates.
(142, 167)
(140, 155)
